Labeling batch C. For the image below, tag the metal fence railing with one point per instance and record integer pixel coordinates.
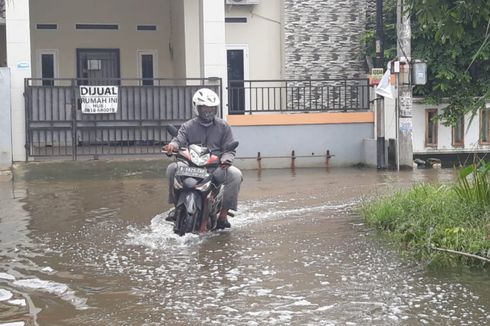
(56, 125)
(309, 95)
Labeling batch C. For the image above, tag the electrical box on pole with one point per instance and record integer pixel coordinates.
(419, 73)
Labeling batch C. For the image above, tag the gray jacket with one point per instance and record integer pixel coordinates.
(215, 137)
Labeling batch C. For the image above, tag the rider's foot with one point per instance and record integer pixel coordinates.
(223, 224)
(171, 216)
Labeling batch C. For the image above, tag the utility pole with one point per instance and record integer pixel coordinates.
(404, 89)
(380, 126)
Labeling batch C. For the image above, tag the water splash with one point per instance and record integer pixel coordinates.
(58, 289)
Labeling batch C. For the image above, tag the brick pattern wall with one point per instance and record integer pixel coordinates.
(323, 38)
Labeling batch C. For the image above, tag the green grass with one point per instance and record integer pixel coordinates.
(433, 215)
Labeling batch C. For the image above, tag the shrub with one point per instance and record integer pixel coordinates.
(434, 216)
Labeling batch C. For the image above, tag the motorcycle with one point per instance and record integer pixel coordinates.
(198, 198)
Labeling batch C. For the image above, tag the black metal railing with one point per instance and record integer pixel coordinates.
(56, 126)
(309, 95)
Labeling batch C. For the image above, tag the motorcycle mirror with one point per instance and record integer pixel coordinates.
(231, 146)
(172, 130)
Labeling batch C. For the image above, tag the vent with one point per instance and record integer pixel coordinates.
(46, 26)
(146, 28)
(242, 2)
(236, 20)
(97, 26)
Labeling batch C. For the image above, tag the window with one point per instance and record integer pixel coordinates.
(485, 126)
(98, 66)
(47, 66)
(147, 67)
(458, 132)
(431, 128)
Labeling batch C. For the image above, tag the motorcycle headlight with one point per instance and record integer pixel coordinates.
(198, 159)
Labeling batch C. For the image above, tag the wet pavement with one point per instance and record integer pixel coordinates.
(92, 248)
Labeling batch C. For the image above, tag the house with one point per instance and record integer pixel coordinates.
(464, 143)
(289, 72)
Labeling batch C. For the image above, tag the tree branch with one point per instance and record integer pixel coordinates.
(461, 253)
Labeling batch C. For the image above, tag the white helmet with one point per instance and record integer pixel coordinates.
(209, 99)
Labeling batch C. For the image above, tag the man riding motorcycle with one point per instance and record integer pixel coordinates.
(208, 130)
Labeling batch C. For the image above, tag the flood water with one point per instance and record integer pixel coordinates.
(94, 249)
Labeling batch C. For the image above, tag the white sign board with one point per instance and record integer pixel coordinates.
(99, 99)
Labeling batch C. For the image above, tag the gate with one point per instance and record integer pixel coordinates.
(56, 126)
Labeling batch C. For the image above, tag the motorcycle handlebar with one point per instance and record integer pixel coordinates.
(169, 153)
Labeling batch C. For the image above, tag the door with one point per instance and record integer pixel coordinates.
(236, 59)
(98, 66)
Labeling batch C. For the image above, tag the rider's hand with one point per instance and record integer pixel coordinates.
(169, 148)
(225, 164)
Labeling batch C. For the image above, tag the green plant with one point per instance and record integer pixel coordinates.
(434, 216)
(474, 184)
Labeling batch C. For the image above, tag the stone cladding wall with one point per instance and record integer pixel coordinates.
(323, 38)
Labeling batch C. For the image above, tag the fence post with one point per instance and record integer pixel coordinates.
(345, 95)
(74, 108)
(27, 104)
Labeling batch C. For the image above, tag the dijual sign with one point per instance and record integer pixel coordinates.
(99, 99)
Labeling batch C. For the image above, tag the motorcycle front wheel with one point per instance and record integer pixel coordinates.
(186, 222)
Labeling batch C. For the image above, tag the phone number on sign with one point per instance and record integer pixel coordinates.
(99, 110)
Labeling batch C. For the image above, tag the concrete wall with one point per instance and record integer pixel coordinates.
(369, 152)
(275, 143)
(177, 37)
(192, 25)
(5, 120)
(19, 62)
(265, 52)
(322, 38)
(126, 13)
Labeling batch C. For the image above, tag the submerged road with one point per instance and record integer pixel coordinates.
(94, 249)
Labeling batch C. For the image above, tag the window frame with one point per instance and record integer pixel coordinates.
(428, 124)
(480, 129)
(453, 133)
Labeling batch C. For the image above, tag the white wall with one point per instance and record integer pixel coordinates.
(262, 34)
(213, 47)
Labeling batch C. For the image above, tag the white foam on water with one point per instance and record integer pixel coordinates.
(249, 214)
(61, 290)
(324, 308)
(15, 323)
(18, 302)
(47, 269)
(159, 234)
(5, 295)
(8, 277)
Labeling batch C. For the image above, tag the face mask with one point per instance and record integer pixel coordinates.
(207, 113)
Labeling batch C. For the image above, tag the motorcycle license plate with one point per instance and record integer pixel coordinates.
(189, 171)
